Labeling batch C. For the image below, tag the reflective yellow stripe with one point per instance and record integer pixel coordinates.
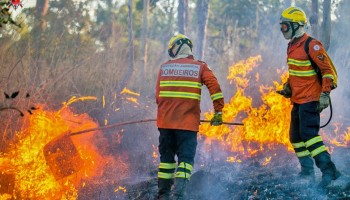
(189, 95)
(302, 73)
(318, 150)
(167, 165)
(303, 153)
(299, 62)
(165, 175)
(298, 145)
(182, 175)
(328, 76)
(216, 96)
(186, 166)
(191, 84)
(313, 141)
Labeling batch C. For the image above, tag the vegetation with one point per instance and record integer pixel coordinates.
(81, 48)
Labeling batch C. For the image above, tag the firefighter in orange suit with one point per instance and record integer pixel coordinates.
(178, 94)
(309, 94)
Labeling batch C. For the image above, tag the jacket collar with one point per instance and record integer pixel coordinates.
(189, 57)
(298, 41)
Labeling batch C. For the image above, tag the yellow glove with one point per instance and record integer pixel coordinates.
(286, 92)
(217, 119)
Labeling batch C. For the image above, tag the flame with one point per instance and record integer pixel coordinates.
(340, 140)
(155, 154)
(233, 159)
(132, 98)
(120, 188)
(267, 161)
(264, 126)
(25, 161)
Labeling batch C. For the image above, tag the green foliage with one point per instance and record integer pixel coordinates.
(5, 15)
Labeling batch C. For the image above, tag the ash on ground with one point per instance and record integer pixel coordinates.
(250, 179)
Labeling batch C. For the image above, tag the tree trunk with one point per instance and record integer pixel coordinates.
(186, 11)
(42, 7)
(181, 10)
(131, 47)
(129, 71)
(326, 24)
(144, 45)
(202, 20)
(314, 19)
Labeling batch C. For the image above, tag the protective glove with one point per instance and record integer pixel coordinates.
(217, 119)
(324, 101)
(286, 92)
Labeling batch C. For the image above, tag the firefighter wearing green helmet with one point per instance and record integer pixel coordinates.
(178, 94)
(312, 76)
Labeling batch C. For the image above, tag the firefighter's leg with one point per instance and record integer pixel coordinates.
(327, 167)
(305, 160)
(187, 144)
(167, 165)
(309, 125)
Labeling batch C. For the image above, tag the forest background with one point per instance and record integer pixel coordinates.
(99, 48)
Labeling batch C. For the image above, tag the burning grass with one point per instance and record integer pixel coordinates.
(36, 174)
(73, 166)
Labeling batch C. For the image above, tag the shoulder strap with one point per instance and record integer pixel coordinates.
(313, 64)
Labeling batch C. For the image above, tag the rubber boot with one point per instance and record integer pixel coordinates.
(328, 169)
(179, 188)
(164, 187)
(307, 168)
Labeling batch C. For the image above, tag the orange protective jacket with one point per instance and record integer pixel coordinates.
(178, 93)
(303, 79)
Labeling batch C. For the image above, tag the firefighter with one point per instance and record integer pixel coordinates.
(309, 94)
(178, 94)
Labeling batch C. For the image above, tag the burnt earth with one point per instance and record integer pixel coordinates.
(250, 180)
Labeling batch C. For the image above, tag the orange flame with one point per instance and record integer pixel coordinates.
(33, 178)
(263, 126)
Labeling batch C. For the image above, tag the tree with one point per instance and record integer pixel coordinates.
(202, 20)
(314, 18)
(131, 47)
(41, 9)
(182, 16)
(143, 51)
(326, 24)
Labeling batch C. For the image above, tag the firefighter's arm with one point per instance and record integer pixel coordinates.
(210, 81)
(320, 57)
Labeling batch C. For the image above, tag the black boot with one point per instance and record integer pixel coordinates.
(307, 168)
(164, 187)
(179, 188)
(328, 169)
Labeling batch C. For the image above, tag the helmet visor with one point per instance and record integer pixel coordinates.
(284, 26)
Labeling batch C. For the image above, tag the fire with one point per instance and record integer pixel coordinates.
(340, 140)
(267, 161)
(264, 126)
(132, 98)
(155, 154)
(28, 168)
(120, 188)
(233, 159)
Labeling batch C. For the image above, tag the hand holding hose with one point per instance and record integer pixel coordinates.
(324, 101)
(217, 119)
(286, 92)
